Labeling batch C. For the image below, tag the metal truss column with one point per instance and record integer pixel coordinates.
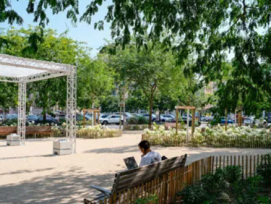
(71, 109)
(21, 110)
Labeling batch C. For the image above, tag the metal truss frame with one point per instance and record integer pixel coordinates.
(21, 110)
(71, 109)
(53, 70)
(34, 64)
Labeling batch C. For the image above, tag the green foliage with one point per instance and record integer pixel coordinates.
(232, 173)
(95, 81)
(10, 122)
(110, 104)
(142, 120)
(264, 169)
(212, 32)
(139, 120)
(150, 199)
(97, 132)
(8, 95)
(136, 100)
(224, 186)
(132, 120)
(216, 136)
(150, 70)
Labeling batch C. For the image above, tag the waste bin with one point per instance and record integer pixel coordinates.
(13, 140)
(62, 147)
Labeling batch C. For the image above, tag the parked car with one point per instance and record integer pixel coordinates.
(248, 120)
(209, 118)
(202, 118)
(103, 116)
(88, 116)
(146, 115)
(127, 115)
(11, 116)
(111, 119)
(2, 117)
(167, 118)
(223, 121)
(49, 119)
(32, 118)
(184, 118)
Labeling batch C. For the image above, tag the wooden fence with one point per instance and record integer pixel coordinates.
(166, 187)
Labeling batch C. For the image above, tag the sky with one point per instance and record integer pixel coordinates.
(82, 32)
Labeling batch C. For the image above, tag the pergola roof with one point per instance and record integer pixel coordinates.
(185, 107)
(16, 69)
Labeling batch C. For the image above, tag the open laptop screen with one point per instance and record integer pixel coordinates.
(130, 163)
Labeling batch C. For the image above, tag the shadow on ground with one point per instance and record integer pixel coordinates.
(26, 171)
(25, 157)
(118, 150)
(71, 186)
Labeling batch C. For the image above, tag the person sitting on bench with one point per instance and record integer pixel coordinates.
(148, 156)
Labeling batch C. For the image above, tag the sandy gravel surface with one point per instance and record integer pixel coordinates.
(30, 174)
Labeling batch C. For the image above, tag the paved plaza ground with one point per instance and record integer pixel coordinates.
(30, 174)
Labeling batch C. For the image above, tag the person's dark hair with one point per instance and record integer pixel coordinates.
(144, 144)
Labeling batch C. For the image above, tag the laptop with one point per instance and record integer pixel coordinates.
(130, 163)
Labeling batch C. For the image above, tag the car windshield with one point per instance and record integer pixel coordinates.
(129, 114)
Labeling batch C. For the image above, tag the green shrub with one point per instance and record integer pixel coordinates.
(264, 169)
(247, 191)
(142, 120)
(151, 199)
(10, 122)
(132, 120)
(98, 131)
(232, 173)
(214, 137)
(225, 187)
(137, 121)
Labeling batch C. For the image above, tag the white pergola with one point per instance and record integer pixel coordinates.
(22, 71)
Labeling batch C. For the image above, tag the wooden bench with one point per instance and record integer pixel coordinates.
(130, 185)
(38, 130)
(7, 130)
(30, 130)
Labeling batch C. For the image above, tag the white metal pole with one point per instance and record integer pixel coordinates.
(187, 121)
(71, 109)
(21, 111)
(92, 122)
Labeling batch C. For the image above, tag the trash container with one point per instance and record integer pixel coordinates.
(62, 147)
(13, 140)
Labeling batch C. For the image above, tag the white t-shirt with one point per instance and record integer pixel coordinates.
(150, 158)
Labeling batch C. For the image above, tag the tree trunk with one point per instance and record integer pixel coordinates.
(44, 115)
(150, 111)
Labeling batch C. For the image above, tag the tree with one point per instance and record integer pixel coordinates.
(136, 100)
(208, 29)
(110, 104)
(95, 81)
(148, 70)
(8, 95)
